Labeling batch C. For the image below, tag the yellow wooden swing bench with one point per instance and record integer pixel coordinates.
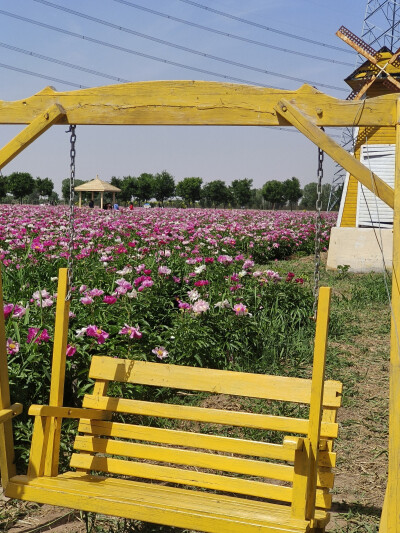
(186, 476)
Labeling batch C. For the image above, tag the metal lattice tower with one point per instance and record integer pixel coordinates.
(381, 27)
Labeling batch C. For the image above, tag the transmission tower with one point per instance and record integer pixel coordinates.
(381, 27)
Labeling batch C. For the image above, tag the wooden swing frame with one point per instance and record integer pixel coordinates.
(212, 103)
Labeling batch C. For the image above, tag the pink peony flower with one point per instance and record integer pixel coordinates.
(70, 350)
(240, 309)
(99, 334)
(201, 283)
(35, 336)
(164, 270)
(201, 306)
(12, 347)
(96, 292)
(8, 309)
(160, 352)
(86, 300)
(133, 332)
(108, 299)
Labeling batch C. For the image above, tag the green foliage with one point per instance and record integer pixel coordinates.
(309, 199)
(20, 184)
(144, 187)
(273, 192)
(371, 289)
(65, 187)
(292, 191)
(44, 186)
(189, 189)
(241, 191)
(215, 193)
(164, 186)
(3, 187)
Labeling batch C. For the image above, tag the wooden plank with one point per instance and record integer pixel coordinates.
(39, 125)
(205, 512)
(197, 103)
(182, 477)
(180, 456)
(186, 438)
(7, 466)
(336, 152)
(391, 522)
(201, 414)
(210, 380)
(66, 412)
(37, 456)
(8, 414)
(318, 375)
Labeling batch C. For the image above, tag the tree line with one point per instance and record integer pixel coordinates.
(190, 191)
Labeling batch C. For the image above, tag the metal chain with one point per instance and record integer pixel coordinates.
(71, 221)
(318, 222)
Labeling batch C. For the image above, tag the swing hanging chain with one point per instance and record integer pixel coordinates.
(71, 210)
(318, 223)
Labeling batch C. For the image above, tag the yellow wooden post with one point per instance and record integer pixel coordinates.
(7, 467)
(390, 522)
(80, 198)
(362, 173)
(58, 371)
(38, 126)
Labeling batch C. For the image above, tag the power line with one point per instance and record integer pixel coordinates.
(63, 63)
(267, 28)
(185, 48)
(231, 35)
(134, 52)
(43, 76)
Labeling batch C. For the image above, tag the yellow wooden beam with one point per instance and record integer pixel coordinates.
(7, 467)
(38, 126)
(197, 103)
(7, 414)
(390, 521)
(363, 174)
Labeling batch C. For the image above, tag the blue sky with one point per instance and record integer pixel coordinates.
(211, 153)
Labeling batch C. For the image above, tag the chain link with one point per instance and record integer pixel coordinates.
(71, 221)
(318, 221)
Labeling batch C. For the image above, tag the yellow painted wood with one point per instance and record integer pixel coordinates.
(336, 152)
(185, 438)
(8, 414)
(300, 481)
(317, 392)
(58, 370)
(7, 466)
(200, 414)
(40, 437)
(65, 412)
(350, 204)
(39, 125)
(392, 507)
(204, 512)
(197, 102)
(210, 380)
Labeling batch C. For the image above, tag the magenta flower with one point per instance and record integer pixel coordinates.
(19, 311)
(133, 332)
(160, 352)
(12, 347)
(35, 336)
(70, 350)
(164, 270)
(201, 283)
(108, 299)
(96, 292)
(99, 334)
(8, 309)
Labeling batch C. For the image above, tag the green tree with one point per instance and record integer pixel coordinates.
(309, 199)
(3, 187)
(65, 187)
(273, 192)
(241, 191)
(44, 186)
(20, 184)
(164, 186)
(189, 189)
(215, 193)
(128, 186)
(292, 191)
(145, 187)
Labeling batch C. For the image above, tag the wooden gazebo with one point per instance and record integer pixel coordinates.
(97, 185)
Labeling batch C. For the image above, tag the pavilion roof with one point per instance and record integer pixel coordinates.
(97, 185)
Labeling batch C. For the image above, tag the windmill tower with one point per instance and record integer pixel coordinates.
(355, 242)
(381, 27)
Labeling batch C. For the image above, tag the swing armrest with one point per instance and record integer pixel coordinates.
(7, 414)
(66, 412)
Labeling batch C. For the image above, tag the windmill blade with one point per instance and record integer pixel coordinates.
(394, 59)
(360, 46)
(365, 88)
(393, 81)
